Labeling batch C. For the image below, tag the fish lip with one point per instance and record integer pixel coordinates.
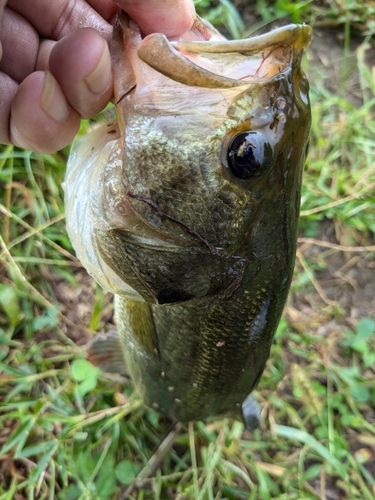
(176, 64)
(296, 36)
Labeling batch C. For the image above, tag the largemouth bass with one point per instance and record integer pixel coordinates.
(186, 207)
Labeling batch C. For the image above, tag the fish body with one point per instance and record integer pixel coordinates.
(187, 208)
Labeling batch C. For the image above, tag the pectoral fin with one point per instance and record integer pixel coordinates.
(105, 352)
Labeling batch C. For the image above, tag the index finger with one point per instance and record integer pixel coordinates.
(55, 19)
(2, 5)
(171, 17)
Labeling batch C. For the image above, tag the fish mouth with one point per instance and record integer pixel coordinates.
(204, 58)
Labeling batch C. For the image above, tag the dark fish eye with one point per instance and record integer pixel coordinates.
(245, 154)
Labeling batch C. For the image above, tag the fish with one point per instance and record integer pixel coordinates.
(186, 207)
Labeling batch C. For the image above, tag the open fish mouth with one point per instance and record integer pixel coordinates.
(208, 60)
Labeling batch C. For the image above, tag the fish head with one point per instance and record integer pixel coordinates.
(202, 166)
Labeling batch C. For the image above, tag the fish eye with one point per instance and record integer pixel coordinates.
(245, 154)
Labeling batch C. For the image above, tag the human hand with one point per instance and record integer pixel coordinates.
(52, 74)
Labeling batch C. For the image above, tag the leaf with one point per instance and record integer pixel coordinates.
(126, 471)
(106, 484)
(85, 465)
(85, 373)
(368, 359)
(349, 420)
(36, 449)
(42, 463)
(19, 435)
(82, 369)
(72, 493)
(366, 327)
(312, 472)
(359, 345)
(10, 304)
(44, 322)
(87, 385)
(360, 392)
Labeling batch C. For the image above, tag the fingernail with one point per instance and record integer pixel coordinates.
(53, 101)
(99, 80)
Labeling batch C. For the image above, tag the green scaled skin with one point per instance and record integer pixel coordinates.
(187, 208)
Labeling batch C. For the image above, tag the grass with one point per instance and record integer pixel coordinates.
(68, 431)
